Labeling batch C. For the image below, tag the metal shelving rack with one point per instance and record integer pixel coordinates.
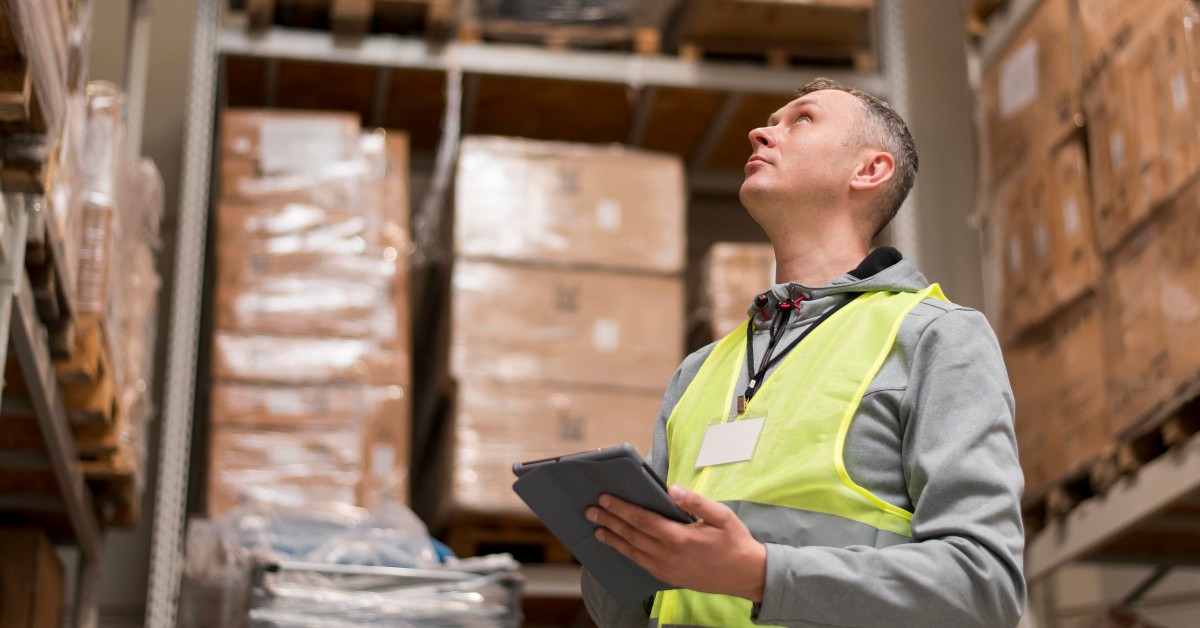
(460, 61)
(29, 339)
(1137, 501)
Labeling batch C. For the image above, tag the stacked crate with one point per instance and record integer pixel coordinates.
(1090, 128)
(310, 348)
(566, 305)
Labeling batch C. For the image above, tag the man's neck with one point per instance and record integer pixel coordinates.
(815, 262)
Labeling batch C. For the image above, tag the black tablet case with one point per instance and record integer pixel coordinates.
(560, 493)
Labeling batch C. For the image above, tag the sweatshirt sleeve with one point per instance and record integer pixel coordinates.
(963, 567)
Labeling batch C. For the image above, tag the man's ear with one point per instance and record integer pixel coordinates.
(874, 170)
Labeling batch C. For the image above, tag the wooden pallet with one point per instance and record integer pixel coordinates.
(352, 18)
(825, 32)
(1171, 425)
(107, 456)
(526, 538)
(641, 40)
(86, 380)
(49, 289)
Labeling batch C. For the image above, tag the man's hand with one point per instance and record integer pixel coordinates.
(714, 555)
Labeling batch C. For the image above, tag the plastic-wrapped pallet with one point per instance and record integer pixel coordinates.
(261, 565)
(310, 350)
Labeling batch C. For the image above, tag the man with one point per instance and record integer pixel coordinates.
(865, 476)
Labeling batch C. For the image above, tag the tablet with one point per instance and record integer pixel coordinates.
(560, 490)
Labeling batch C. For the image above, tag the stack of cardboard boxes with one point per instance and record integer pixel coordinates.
(733, 273)
(310, 349)
(566, 306)
(1090, 128)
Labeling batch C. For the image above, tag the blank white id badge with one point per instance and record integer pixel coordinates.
(730, 441)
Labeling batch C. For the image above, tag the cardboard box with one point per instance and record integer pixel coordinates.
(1008, 255)
(1058, 380)
(1135, 338)
(499, 424)
(534, 201)
(1180, 287)
(32, 585)
(1106, 27)
(522, 323)
(1038, 440)
(1177, 52)
(1075, 259)
(328, 443)
(258, 358)
(732, 275)
(1119, 201)
(1028, 98)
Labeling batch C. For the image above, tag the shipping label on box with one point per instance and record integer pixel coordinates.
(499, 424)
(733, 274)
(521, 323)
(533, 201)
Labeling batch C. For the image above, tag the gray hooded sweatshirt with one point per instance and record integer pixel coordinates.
(933, 435)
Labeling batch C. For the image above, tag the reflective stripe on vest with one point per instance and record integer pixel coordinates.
(798, 467)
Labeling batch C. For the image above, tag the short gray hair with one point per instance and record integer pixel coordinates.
(883, 128)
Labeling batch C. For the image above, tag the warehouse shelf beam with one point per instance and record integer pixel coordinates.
(1003, 26)
(1160, 483)
(379, 96)
(166, 555)
(28, 338)
(496, 59)
(641, 116)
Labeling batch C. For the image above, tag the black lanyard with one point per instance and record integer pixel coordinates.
(777, 327)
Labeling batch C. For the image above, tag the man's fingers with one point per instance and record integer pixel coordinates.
(625, 529)
(711, 512)
(637, 517)
(614, 540)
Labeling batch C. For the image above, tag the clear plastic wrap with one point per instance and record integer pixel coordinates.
(523, 323)
(105, 166)
(499, 424)
(731, 275)
(311, 311)
(333, 565)
(294, 445)
(536, 201)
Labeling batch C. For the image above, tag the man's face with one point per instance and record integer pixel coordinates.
(805, 154)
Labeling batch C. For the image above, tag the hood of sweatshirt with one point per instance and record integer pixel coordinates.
(883, 269)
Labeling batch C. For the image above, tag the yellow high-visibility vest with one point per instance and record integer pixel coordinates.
(797, 474)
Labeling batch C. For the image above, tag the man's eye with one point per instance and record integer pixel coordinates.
(804, 119)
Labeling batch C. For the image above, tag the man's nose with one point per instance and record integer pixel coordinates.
(761, 136)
